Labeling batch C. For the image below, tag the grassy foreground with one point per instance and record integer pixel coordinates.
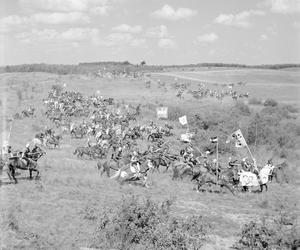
(61, 210)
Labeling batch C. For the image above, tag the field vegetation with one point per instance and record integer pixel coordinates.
(72, 206)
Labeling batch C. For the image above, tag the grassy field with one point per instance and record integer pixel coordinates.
(60, 210)
(282, 85)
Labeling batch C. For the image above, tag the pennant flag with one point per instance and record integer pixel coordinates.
(186, 137)
(162, 112)
(183, 120)
(214, 139)
(239, 139)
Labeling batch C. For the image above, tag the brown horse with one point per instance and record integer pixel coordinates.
(18, 163)
(225, 180)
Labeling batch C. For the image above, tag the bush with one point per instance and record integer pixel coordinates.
(281, 232)
(241, 109)
(255, 101)
(148, 225)
(174, 112)
(57, 88)
(290, 108)
(270, 102)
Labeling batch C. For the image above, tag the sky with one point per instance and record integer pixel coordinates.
(161, 32)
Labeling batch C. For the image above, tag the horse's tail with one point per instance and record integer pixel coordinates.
(76, 151)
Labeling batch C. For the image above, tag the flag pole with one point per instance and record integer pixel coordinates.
(218, 159)
(250, 152)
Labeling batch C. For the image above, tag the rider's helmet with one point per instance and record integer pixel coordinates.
(27, 145)
(270, 162)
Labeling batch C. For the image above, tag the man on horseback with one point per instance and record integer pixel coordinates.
(117, 155)
(26, 154)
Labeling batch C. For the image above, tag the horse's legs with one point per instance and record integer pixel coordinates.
(108, 172)
(225, 185)
(37, 173)
(13, 172)
(30, 173)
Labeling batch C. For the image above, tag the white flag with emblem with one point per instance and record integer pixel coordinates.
(162, 112)
(183, 120)
(239, 139)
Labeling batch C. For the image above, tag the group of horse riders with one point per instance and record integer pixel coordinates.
(243, 165)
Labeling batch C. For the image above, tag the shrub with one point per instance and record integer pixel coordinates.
(255, 101)
(290, 108)
(174, 112)
(57, 88)
(241, 109)
(270, 102)
(255, 236)
(281, 232)
(148, 225)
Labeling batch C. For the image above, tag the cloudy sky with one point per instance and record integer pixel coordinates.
(160, 32)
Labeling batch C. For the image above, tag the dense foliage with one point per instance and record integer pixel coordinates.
(148, 225)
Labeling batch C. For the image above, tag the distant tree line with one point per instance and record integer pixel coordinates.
(119, 67)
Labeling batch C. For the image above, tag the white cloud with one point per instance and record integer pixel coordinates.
(73, 35)
(264, 37)
(59, 18)
(119, 40)
(241, 19)
(139, 43)
(100, 10)
(207, 38)
(284, 6)
(168, 12)
(80, 34)
(56, 5)
(8, 23)
(35, 35)
(96, 7)
(167, 43)
(127, 28)
(158, 32)
(296, 25)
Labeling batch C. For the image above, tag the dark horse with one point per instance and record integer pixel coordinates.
(226, 180)
(17, 163)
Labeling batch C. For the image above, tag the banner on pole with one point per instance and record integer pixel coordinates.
(240, 141)
(162, 112)
(214, 139)
(186, 137)
(183, 120)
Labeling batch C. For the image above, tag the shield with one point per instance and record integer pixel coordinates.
(248, 179)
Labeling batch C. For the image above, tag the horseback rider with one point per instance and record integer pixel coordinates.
(26, 154)
(36, 152)
(117, 155)
(245, 165)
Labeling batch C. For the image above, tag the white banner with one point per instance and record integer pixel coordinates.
(239, 139)
(183, 120)
(186, 137)
(162, 112)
